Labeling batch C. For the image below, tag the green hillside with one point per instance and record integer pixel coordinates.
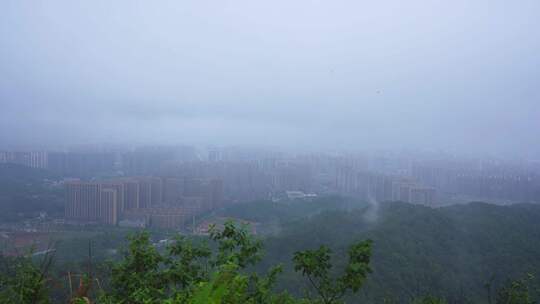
(449, 252)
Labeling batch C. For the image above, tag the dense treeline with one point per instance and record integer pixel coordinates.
(194, 272)
(449, 252)
(188, 272)
(462, 254)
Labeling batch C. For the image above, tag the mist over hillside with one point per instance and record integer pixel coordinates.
(449, 252)
(269, 152)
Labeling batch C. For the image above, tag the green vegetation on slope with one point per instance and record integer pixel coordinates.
(451, 253)
(188, 272)
(284, 211)
(448, 252)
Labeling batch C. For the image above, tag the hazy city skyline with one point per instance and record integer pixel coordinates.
(456, 76)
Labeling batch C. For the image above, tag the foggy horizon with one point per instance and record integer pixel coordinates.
(309, 75)
(268, 152)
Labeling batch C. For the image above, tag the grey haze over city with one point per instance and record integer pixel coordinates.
(459, 76)
(270, 152)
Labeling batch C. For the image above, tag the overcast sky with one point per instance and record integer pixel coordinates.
(392, 74)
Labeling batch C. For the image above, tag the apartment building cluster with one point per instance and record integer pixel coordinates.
(32, 159)
(485, 180)
(380, 187)
(147, 201)
(73, 164)
(246, 174)
(254, 174)
(250, 179)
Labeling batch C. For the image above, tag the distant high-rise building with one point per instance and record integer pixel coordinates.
(211, 190)
(119, 187)
(292, 176)
(37, 159)
(4, 157)
(411, 192)
(82, 201)
(156, 185)
(93, 202)
(365, 184)
(131, 195)
(32, 159)
(216, 186)
(128, 198)
(173, 190)
(78, 164)
(151, 160)
(214, 155)
(145, 193)
(423, 196)
(108, 207)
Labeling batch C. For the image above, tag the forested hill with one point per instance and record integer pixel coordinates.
(450, 252)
